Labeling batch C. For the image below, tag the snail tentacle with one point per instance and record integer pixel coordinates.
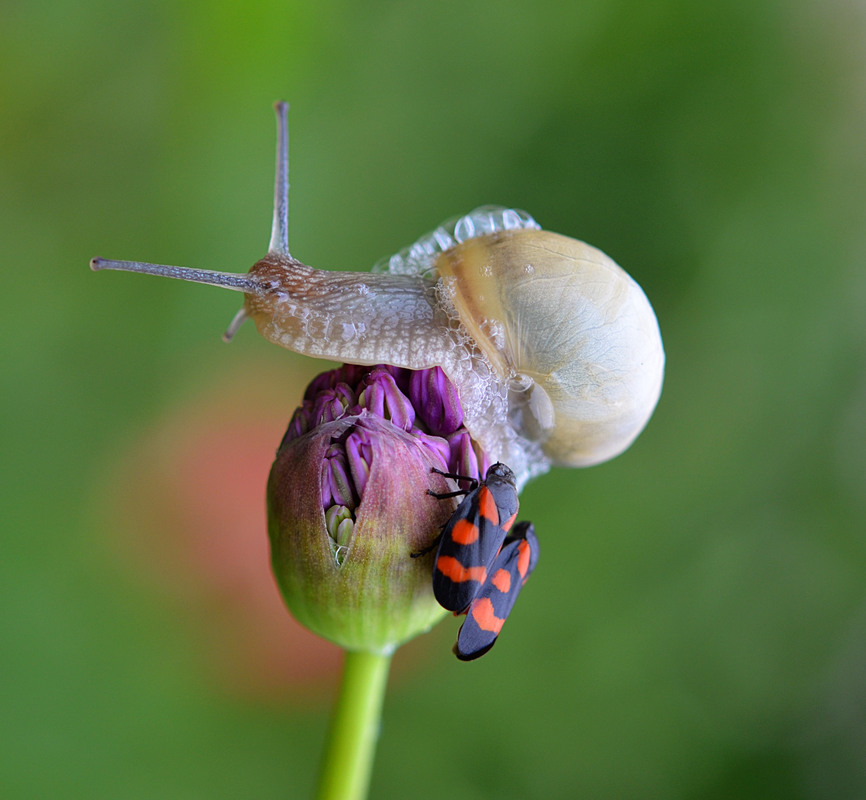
(279, 243)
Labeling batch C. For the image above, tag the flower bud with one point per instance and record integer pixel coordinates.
(348, 503)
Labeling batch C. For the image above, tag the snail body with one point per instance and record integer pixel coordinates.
(555, 351)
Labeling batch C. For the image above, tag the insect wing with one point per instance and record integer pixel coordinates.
(494, 601)
(473, 537)
(469, 543)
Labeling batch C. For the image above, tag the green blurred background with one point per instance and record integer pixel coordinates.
(697, 626)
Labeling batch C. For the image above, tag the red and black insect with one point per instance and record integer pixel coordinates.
(493, 603)
(473, 548)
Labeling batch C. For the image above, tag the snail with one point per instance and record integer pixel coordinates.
(555, 351)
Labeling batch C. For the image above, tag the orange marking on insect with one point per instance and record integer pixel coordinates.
(487, 505)
(523, 556)
(485, 617)
(502, 580)
(451, 568)
(506, 526)
(464, 532)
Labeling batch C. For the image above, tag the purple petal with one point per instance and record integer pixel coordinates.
(435, 399)
(382, 397)
(463, 459)
(298, 425)
(349, 374)
(326, 380)
(331, 404)
(338, 487)
(436, 445)
(359, 455)
(402, 377)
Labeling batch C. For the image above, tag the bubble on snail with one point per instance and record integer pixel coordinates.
(420, 257)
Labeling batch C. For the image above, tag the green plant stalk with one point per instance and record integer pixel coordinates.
(351, 746)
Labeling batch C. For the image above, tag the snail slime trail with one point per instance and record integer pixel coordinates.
(555, 351)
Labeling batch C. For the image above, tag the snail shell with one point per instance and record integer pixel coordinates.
(555, 351)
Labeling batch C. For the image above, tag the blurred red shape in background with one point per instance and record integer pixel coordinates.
(188, 516)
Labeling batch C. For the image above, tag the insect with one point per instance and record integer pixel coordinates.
(479, 570)
(491, 606)
(555, 351)
(473, 536)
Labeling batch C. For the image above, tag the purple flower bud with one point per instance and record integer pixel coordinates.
(438, 448)
(359, 454)
(380, 395)
(348, 502)
(331, 401)
(463, 456)
(337, 485)
(345, 573)
(331, 404)
(299, 424)
(349, 374)
(435, 398)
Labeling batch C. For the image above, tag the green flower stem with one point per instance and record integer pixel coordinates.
(351, 746)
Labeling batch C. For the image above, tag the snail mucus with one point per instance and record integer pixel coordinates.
(554, 349)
